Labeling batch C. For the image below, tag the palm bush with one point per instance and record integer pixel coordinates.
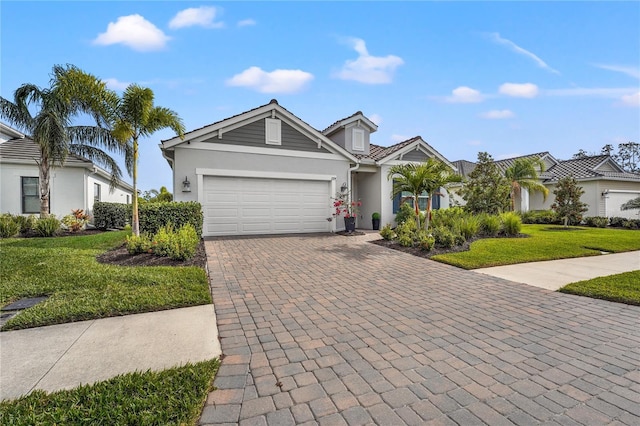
(47, 226)
(511, 222)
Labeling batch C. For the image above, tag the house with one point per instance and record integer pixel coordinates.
(76, 185)
(606, 185)
(266, 171)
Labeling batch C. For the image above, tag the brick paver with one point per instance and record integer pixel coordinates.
(323, 329)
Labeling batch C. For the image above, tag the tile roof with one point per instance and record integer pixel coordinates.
(26, 149)
(464, 167)
(337, 122)
(508, 162)
(377, 152)
(586, 168)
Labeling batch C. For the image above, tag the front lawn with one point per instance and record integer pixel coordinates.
(80, 288)
(545, 242)
(624, 288)
(170, 397)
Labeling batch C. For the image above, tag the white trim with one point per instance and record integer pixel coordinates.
(358, 119)
(263, 151)
(418, 144)
(200, 172)
(360, 131)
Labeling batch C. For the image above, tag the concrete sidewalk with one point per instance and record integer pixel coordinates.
(65, 356)
(553, 274)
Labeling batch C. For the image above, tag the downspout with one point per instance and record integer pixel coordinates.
(352, 169)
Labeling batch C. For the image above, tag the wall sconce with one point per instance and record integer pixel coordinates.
(186, 185)
(343, 188)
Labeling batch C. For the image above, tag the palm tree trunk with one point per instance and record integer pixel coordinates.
(428, 215)
(415, 203)
(44, 173)
(135, 223)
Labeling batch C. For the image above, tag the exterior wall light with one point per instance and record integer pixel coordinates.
(186, 185)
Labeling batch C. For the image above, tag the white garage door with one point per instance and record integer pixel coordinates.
(242, 206)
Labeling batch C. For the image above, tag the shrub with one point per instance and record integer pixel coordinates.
(26, 223)
(162, 240)
(511, 223)
(405, 240)
(76, 221)
(631, 224)
(425, 241)
(375, 216)
(407, 228)
(178, 245)
(449, 218)
(110, 215)
(541, 217)
(387, 233)
(489, 225)
(469, 226)
(9, 227)
(596, 221)
(47, 226)
(138, 244)
(443, 237)
(405, 213)
(154, 216)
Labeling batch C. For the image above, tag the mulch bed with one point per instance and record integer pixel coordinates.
(416, 251)
(121, 257)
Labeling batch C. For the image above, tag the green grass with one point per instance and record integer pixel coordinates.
(545, 242)
(624, 288)
(170, 397)
(80, 288)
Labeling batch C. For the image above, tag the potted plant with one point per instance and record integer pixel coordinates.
(375, 221)
(347, 208)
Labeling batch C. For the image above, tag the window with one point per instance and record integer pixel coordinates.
(96, 192)
(273, 131)
(128, 199)
(407, 197)
(358, 139)
(30, 198)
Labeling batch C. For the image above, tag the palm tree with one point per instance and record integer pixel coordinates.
(136, 117)
(72, 92)
(523, 174)
(417, 179)
(631, 204)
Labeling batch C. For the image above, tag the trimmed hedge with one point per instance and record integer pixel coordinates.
(541, 217)
(111, 215)
(154, 216)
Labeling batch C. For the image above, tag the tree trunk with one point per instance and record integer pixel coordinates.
(428, 215)
(417, 208)
(44, 171)
(135, 223)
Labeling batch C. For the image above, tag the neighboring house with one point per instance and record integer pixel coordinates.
(266, 171)
(76, 185)
(606, 185)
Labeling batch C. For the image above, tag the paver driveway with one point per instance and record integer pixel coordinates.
(334, 330)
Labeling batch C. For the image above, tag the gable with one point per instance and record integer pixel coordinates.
(415, 156)
(254, 135)
(607, 166)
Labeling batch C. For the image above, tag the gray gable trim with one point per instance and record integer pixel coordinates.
(357, 117)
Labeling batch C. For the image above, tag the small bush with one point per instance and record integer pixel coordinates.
(511, 223)
(76, 221)
(26, 223)
(596, 221)
(375, 216)
(47, 226)
(621, 222)
(449, 218)
(162, 241)
(154, 216)
(9, 227)
(405, 240)
(138, 244)
(425, 241)
(184, 243)
(387, 233)
(405, 213)
(489, 225)
(110, 215)
(443, 237)
(407, 228)
(540, 217)
(469, 226)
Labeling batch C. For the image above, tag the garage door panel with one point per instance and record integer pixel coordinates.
(236, 206)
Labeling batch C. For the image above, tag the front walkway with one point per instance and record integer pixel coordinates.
(553, 274)
(332, 330)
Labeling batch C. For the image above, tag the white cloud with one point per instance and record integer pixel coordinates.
(399, 138)
(497, 114)
(630, 71)
(631, 100)
(542, 64)
(524, 90)
(196, 16)
(376, 118)
(135, 32)
(464, 95)
(115, 84)
(246, 23)
(277, 81)
(369, 69)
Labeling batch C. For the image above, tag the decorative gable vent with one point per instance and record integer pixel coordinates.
(273, 131)
(358, 139)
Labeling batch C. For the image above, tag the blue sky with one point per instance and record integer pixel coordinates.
(509, 78)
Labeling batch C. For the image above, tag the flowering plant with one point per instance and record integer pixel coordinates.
(343, 206)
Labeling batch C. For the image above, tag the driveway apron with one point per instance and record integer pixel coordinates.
(327, 329)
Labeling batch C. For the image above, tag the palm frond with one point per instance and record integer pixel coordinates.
(101, 158)
(96, 136)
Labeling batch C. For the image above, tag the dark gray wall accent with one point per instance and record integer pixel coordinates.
(253, 134)
(415, 156)
(339, 138)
